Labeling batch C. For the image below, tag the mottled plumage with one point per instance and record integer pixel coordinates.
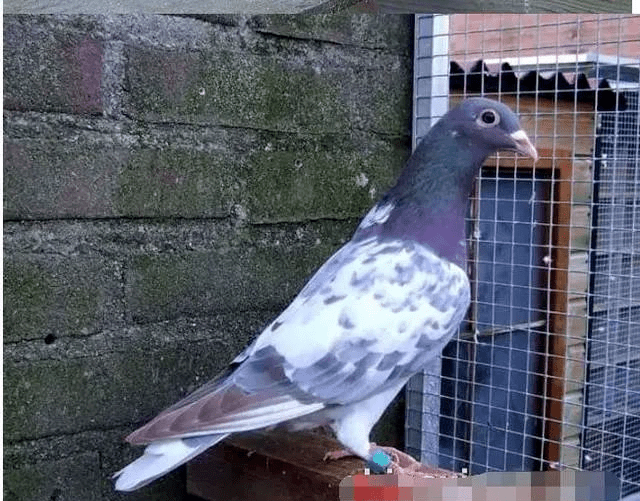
(376, 313)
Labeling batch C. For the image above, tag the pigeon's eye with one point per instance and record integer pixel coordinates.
(488, 118)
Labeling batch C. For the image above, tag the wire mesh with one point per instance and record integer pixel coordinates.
(545, 372)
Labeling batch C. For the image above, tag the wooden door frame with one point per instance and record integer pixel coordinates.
(558, 164)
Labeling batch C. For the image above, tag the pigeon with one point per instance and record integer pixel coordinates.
(374, 314)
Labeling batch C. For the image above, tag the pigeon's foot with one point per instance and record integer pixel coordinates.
(389, 459)
(378, 462)
(345, 453)
(403, 464)
(334, 455)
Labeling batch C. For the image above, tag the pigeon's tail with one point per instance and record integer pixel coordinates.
(161, 457)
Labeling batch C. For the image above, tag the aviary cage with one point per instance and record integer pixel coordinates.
(545, 372)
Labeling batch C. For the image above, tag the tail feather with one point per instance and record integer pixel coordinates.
(161, 457)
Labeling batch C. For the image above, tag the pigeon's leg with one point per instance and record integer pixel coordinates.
(404, 464)
(353, 424)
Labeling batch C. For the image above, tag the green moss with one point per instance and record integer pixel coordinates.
(74, 477)
(393, 116)
(28, 294)
(296, 99)
(263, 93)
(171, 182)
(41, 397)
(249, 90)
(232, 279)
(162, 282)
(321, 177)
(53, 297)
(80, 303)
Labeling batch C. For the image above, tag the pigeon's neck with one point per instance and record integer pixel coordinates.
(441, 172)
(431, 197)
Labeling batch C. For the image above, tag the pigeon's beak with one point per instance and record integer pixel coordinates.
(523, 145)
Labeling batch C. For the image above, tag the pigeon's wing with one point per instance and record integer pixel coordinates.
(256, 395)
(369, 317)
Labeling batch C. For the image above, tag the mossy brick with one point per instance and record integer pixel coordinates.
(393, 33)
(69, 479)
(290, 87)
(73, 176)
(178, 183)
(52, 66)
(54, 466)
(46, 297)
(102, 390)
(234, 279)
(293, 178)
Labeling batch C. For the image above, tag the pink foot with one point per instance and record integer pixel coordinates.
(344, 453)
(333, 455)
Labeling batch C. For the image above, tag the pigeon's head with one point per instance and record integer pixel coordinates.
(490, 126)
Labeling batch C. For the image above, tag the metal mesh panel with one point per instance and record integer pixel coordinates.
(611, 437)
(545, 372)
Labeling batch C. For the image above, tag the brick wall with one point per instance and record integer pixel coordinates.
(169, 184)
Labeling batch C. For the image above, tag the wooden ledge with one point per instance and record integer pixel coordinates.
(274, 465)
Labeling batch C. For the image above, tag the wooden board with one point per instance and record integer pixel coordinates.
(268, 466)
(513, 6)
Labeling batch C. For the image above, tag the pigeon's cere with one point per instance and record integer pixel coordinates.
(377, 312)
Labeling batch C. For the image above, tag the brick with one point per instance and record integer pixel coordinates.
(174, 182)
(290, 87)
(62, 64)
(71, 478)
(47, 178)
(57, 467)
(116, 239)
(47, 297)
(190, 173)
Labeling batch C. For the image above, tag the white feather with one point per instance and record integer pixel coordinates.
(377, 215)
(352, 423)
(388, 312)
(161, 457)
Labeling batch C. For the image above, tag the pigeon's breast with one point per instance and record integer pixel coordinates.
(376, 310)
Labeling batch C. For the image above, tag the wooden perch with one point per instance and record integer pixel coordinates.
(269, 466)
(278, 465)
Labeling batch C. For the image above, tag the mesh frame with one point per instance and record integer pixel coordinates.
(572, 325)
